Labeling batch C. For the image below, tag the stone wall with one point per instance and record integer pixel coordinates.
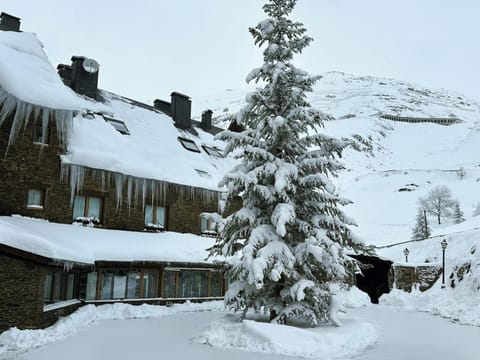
(420, 277)
(21, 293)
(27, 165)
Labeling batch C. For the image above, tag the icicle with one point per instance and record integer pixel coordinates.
(136, 188)
(24, 112)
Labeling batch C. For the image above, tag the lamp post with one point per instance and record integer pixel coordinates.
(406, 252)
(444, 246)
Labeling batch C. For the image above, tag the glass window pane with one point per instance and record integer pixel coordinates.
(148, 214)
(47, 291)
(70, 286)
(34, 198)
(58, 286)
(150, 284)
(160, 220)
(193, 284)
(169, 284)
(133, 286)
(94, 205)
(78, 207)
(216, 283)
(106, 286)
(189, 145)
(204, 224)
(91, 293)
(119, 285)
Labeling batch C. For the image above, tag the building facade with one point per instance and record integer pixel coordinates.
(101, 196)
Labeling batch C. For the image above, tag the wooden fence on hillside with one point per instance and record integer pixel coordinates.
(435, 120)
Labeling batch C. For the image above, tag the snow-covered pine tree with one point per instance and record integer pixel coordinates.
(421, 230)
(290, 229)
(457, 213)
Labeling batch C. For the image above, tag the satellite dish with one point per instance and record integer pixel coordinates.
(90, 66)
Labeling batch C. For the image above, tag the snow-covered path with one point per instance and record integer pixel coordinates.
(402, 335)
(418, 336)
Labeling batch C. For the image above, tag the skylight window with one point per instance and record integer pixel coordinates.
(189, 145)
(212, 151)
(118, 125)
(203, 173)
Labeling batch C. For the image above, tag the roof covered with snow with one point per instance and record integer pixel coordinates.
(151, 148)
(86, 245)
(27, 74)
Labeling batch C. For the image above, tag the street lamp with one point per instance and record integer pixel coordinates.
(444, 246)
(406, 252)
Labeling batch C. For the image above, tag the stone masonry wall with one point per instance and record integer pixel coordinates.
(21, 293)
(421, 277)
(27, 165)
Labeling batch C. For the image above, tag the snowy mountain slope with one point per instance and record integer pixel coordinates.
(397, 155)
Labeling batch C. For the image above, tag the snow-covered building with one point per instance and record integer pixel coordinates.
(100, 195)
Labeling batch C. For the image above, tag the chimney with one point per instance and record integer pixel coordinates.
(206, 123)
(84, 76)
(181, 108)
(163, 106)
(9, 22)
(65, 73)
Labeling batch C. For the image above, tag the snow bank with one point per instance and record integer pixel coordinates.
(462, 264)
(19, 340)
(457, 305)
(319, 343)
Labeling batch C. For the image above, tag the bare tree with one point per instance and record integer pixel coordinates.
(461, 172)
(438, 202)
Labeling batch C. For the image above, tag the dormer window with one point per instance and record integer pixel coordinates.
(212, 151)
(189, 144)
(41, 135)
(118, 125)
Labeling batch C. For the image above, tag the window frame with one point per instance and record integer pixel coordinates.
(154, 217)
(118, 125)
(184, 141)
(142, 290)
(65, 282)
(213, 151)
(41, 206)
(86, 208)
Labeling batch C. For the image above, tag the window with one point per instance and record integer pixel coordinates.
(203, 173)
(212, 151)
(88, 285)
(41, 134)
(123, 284)
(35, 199)
(189, 145)
(87, 208)
(193, 284)
(169, 284)
(58, 286)
(207, 227)
(149, 284)
(118, 125)
(155, 217)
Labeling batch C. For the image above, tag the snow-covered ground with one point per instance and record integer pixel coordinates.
(206, 331)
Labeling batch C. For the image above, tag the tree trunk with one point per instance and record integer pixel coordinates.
(438, 217)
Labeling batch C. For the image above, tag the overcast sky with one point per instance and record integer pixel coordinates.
(148, 48)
